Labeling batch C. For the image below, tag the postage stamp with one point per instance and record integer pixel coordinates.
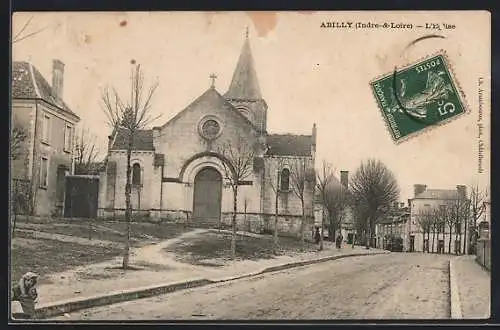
(418, 97)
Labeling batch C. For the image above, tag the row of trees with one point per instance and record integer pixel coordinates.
(455, 218)
(239, 165)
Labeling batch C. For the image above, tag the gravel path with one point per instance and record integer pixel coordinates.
(391, 286)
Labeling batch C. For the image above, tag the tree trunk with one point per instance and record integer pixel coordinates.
(423, 241)
(465, 235)
(14, 225)
(333, 230)
(302, 224)
(433, 239)
(322, 233)
(246, 226)
(276, 209)
(233, 222)
(128, 205)
(449, 240)
(275, 227)
(368, 233)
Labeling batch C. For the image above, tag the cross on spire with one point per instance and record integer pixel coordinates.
(213, 76)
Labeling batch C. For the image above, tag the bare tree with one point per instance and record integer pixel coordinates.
(274, 178)
(439, 222)
(476, 208)
(17, 139)
(131, 116)
(20, 190)
(450, 220)
(375, 189)
(23, 35)
(238, 166)
(335, 202)
(425, 219)
(86, 153)
(457, 213)
(300, 177)
(325, 177)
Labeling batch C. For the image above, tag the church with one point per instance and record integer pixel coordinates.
(180, 169)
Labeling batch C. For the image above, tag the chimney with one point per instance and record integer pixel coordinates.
(462, 191)
(110, 140)
(314, 134)
(313, 143)
(418, 189)
(344, 178)
(57, 78)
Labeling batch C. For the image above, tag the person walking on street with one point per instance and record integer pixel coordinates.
(317, 235)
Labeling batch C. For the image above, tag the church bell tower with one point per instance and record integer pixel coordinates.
(244, 91)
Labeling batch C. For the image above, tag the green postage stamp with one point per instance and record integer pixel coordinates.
(419, 96)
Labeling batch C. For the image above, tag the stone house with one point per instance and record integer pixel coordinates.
(393, 224)
(180, 169)
(45, 156)
(429, 201)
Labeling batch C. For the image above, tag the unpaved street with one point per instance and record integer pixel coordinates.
(390, 286)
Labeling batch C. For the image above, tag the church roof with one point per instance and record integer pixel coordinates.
(211, 99)
(29, 83)
(289, 145)
(143, 140)
(244, 84)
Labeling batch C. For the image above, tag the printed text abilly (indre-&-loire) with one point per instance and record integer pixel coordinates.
(386, 25)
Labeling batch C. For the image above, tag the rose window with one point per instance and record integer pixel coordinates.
(210, 129)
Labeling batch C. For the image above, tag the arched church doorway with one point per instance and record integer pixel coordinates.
(207, 195)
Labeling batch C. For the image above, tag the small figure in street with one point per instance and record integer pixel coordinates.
(26, 293)
(317, 235)
(338, 241)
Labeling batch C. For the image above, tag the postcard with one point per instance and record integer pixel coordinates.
(175, 166)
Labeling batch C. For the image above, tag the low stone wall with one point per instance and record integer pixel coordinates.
(483, 253)
(288, 225)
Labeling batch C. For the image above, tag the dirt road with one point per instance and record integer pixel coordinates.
(391, 286)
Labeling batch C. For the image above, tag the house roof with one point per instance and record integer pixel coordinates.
(29, 83)
(438, 194)
(289, 145)
(244, 84)
(393, 219)
(143, 140)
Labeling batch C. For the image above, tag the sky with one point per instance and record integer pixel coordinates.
(307, 75)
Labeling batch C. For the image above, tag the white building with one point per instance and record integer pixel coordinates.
(438, 238)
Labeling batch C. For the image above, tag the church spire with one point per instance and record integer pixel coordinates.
(244, 85)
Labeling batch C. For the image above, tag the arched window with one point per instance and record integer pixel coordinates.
(136, 174)
(285, 179)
